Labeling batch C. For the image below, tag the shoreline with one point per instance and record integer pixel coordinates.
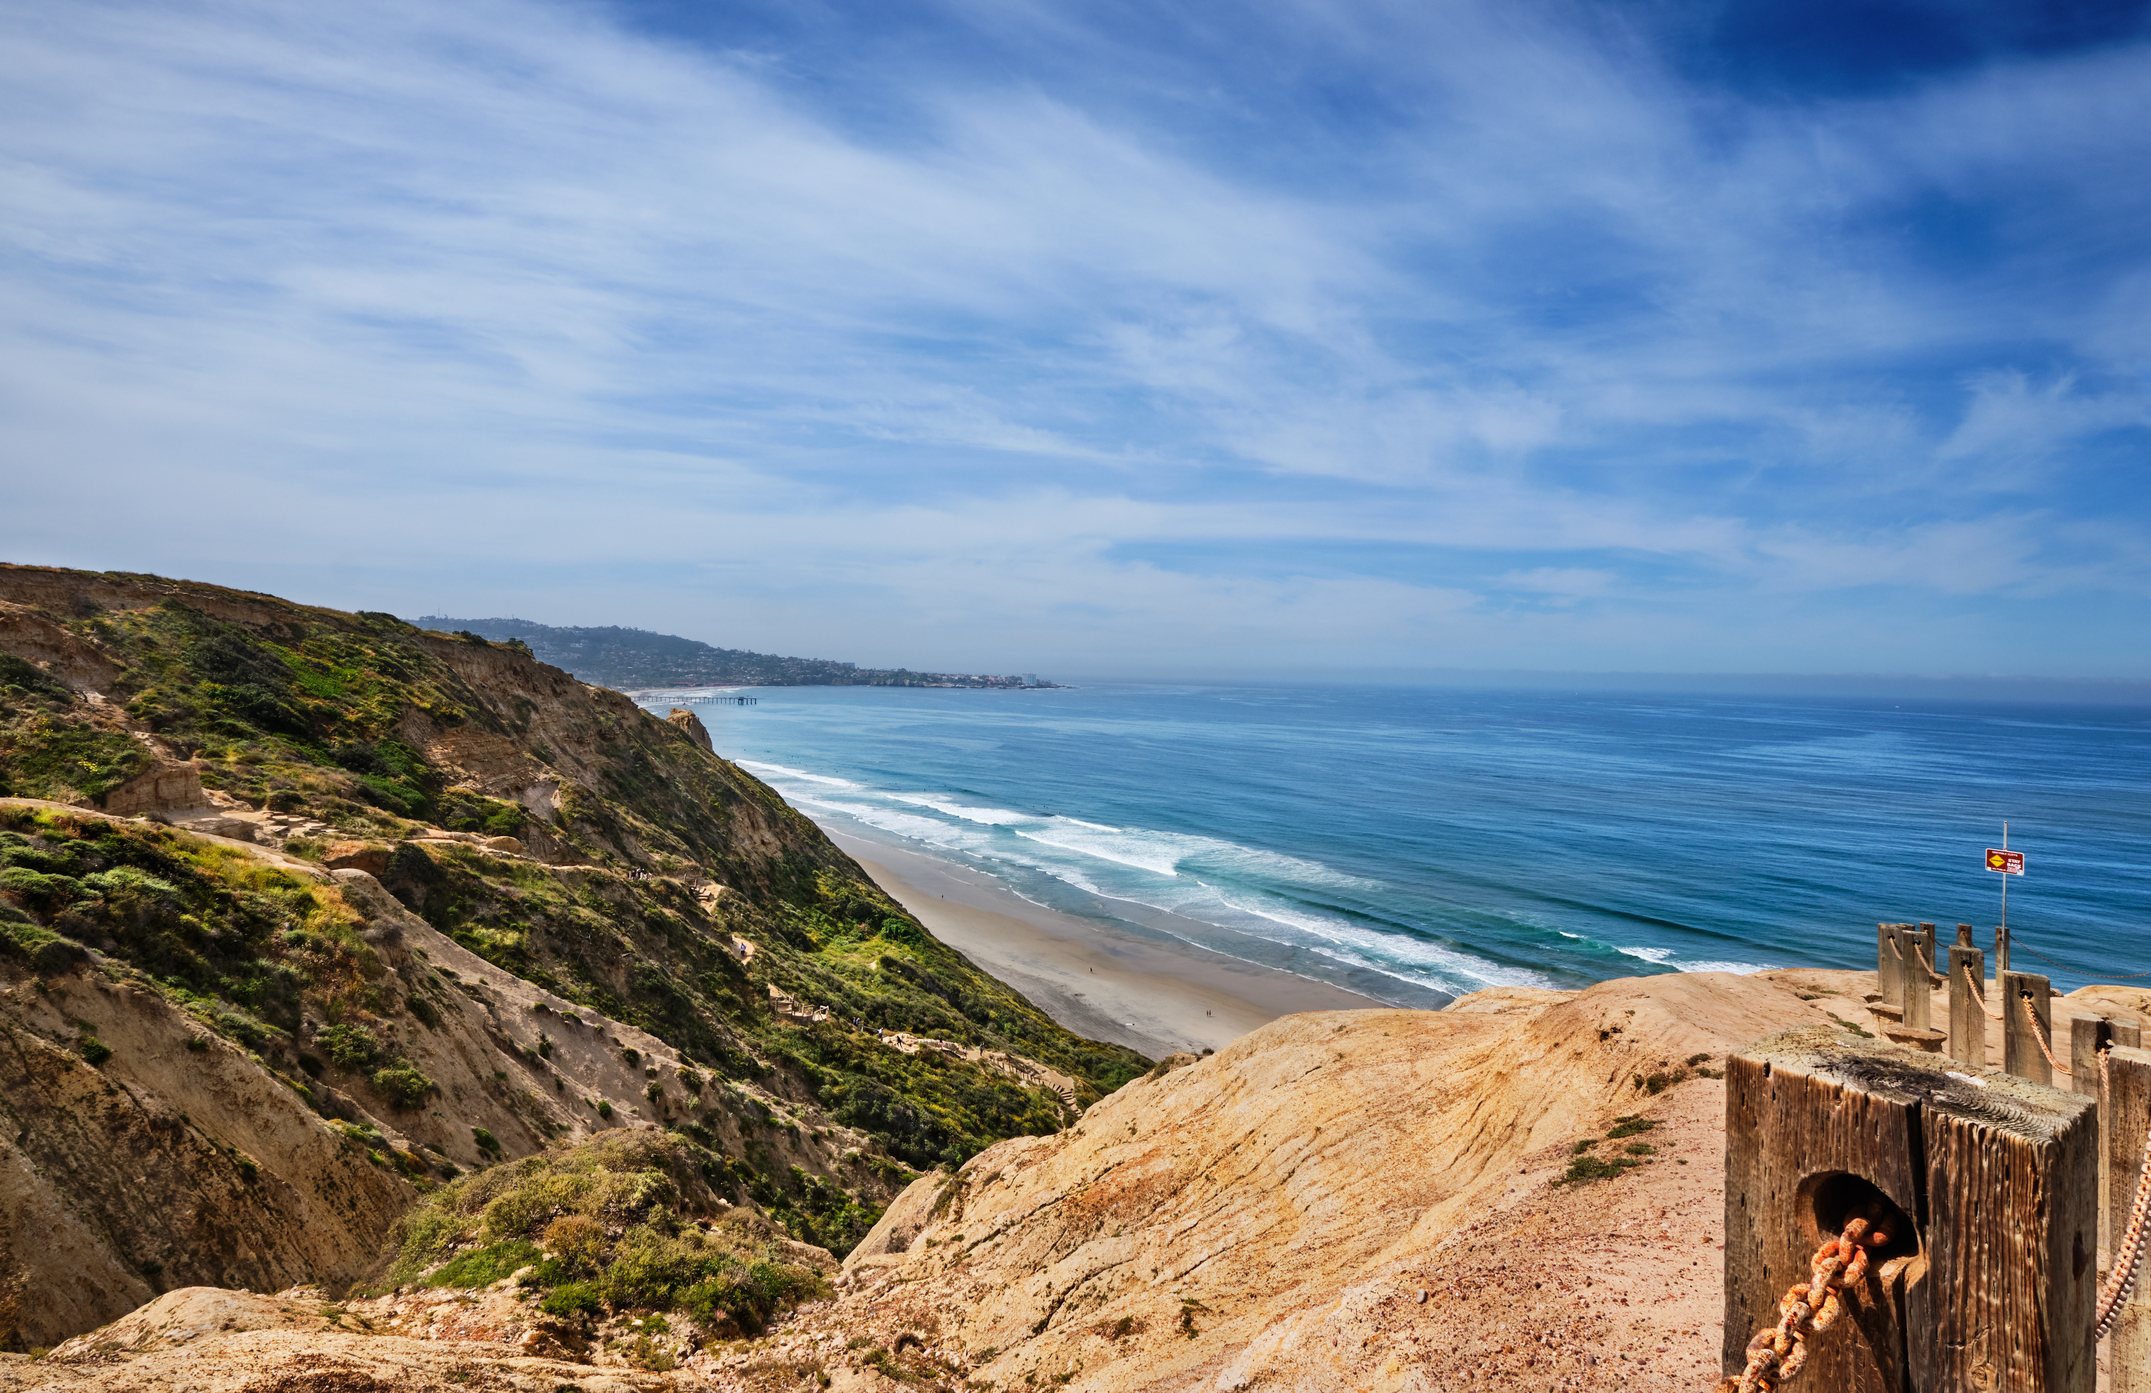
(1096, 980)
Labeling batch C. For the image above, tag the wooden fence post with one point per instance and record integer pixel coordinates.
(2086, 1034)
(1916, 961)
(2021, 1054)
(1986, 1184)
(1915, 957)
(2128, 1114)
(1967, 1020)
(1889, 978)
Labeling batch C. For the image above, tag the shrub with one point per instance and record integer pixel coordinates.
(485, 1266)
(902, 931)
(576, 1241)
(635, 1185)
(1656, 1083)
(604, 1108)
(350, 1047)
(403, 1085)
(94, 1050)
(572, 1299)
(487, 1142)
(1585, 1168)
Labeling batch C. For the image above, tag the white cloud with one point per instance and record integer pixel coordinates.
(506, 288)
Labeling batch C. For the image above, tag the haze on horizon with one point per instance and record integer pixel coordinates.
(1148, 339)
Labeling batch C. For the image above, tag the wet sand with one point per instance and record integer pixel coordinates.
(1097, 980)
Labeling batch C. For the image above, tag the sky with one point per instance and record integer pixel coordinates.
(1171, 339)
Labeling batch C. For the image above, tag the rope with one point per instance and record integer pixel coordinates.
(2094, 976)
(2031, 1014)
(2129, 1251)
(1780, 1351)
(1979, 992)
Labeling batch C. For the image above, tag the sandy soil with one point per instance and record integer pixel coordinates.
(1099, 981)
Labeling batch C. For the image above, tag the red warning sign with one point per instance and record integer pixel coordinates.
(2007, 862)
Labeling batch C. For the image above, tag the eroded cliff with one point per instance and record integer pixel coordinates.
(419, 904)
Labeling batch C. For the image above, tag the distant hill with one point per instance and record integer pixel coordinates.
(628, 658)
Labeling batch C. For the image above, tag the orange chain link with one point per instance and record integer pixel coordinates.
(2129, 1251)
(1780, 1351)
(2031, 1014)
(1979, 992)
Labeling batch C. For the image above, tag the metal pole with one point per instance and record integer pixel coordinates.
(2001, 937)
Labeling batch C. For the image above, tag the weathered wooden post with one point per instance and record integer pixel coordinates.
(1889, 970)
(2087, 1036)
(1913, 1027)
(1916, 956)
(1967, 981)
(2128, 1115)
(2021, 1052)
(1986, 1186)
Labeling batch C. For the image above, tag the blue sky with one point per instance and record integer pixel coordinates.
(1107, 337)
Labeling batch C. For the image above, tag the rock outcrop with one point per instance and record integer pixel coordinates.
(691, 723)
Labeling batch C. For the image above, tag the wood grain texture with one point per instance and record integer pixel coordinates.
(1916, 955)
(2127, 1116)
(2021, 1054)
(1889, 978)
(1992, 1289)
(1967, 1020)
(2086, 1034)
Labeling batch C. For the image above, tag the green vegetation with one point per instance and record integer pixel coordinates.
(236, 943)
(624, 1222)
(1584, 1166)
(403, 1085)
(332, 716)
(617, 657)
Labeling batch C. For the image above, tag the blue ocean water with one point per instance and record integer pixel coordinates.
(1412, 844)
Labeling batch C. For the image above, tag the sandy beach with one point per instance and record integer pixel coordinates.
(1096, 980)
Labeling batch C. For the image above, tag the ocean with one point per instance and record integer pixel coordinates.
(1415, 844)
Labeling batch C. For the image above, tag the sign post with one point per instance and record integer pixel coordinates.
(2007, 863)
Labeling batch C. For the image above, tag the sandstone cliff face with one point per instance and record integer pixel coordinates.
(183, 1158)
(1345, 1200)
(1268, 1215)
(166, 1167)
(579, 908)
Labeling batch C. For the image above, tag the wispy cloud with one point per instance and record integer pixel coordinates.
(1482, 333)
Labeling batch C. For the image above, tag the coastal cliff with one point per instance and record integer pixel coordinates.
(304, 913)
(384, 1009)
(1520, 1193)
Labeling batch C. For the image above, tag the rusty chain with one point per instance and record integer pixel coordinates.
(2129, 1250)
(1780, 1351)
(1979, 992)
(2031, 1013)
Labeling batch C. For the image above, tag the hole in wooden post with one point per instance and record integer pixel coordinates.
(1842, 1196)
